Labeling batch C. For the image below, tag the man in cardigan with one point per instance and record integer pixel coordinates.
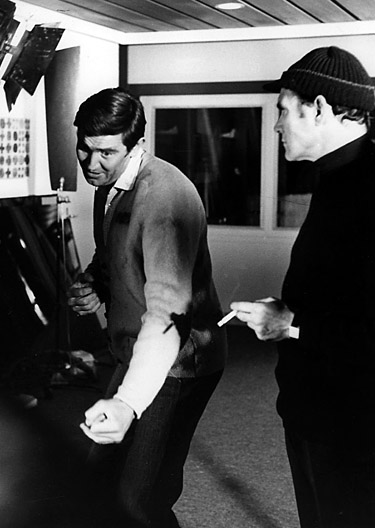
(325, 320)
(152, 269)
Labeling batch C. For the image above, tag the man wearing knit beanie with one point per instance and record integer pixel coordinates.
(324, 322)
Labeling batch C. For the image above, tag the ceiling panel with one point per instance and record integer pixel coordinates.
(122, 13)
(361, 9)
(326, 11)
(132, 16)
(251, 15)
(90, 14)
(285, 11)
(167, 13)
(198, 10)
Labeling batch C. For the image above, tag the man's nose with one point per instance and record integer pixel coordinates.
(277, 127)
(93, 160)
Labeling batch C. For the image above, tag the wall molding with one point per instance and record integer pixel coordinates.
(210, 88)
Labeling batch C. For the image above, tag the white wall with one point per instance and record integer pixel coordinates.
(233, 61)
(99, 69)
(248, 263)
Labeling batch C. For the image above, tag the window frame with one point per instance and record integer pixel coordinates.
(269, 147)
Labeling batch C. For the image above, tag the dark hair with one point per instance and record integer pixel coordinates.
(352, 114)
(109, 112)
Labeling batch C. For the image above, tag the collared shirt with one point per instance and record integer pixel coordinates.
(127, 179)
(124, 183)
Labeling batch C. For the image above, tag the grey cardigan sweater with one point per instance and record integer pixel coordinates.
(153, 269)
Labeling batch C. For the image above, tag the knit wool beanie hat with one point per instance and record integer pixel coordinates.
(332, 72)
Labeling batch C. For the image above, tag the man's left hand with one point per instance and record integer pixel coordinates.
(270, 318)
(107, 421)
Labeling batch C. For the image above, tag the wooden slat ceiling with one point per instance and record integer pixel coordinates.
(132, 16)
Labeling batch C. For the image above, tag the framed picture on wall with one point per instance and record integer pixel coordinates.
(14, 155)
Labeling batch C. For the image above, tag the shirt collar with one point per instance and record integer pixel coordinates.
(127, 179)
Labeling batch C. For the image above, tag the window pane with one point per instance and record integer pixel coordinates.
(219, 149)
(295, 185)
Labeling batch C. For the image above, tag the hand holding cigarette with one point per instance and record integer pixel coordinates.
(270, 318)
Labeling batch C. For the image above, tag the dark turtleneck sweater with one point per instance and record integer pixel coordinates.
(327, 376)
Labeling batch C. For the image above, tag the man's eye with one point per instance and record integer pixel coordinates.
(106, 153)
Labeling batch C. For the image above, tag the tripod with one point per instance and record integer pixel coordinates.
(75, 363)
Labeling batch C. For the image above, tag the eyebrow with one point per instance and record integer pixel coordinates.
(108, 149)
(84, 145)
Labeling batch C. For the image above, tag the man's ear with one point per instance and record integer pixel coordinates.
(321, 107)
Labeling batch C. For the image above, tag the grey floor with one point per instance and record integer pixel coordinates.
(237, 475)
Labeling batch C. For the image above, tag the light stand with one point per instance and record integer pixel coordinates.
(73, 363)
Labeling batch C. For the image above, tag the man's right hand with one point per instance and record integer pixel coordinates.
(270, 318)
(82, 297)
(107, 421)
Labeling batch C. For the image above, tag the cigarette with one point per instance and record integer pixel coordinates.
(227, 318)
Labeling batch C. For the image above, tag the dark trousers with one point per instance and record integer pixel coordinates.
(136, 483)
(334, 484)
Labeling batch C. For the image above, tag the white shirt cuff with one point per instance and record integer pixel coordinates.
(293, 332)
